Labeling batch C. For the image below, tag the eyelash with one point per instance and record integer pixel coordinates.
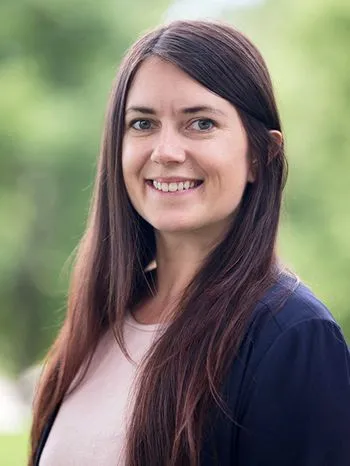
(132, 123)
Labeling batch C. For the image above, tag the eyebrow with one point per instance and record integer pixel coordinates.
(186, 110)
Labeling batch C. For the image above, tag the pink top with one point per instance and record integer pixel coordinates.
(90, 426)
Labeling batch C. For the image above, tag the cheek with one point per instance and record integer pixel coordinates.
(134, 157)
(133, 162)
(127, 159)
(230, 171)
(230, 167)
(129, 167)
(128, 170)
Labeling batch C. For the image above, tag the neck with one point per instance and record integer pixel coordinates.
(179, 257)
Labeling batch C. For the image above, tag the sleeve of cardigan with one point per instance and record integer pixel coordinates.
(299, 411)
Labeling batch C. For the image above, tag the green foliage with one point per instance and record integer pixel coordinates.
(58, 60)
(305, 44)
(14, 449)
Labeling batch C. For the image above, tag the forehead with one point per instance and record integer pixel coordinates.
(158, 83)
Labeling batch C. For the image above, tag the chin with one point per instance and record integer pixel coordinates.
(174, 226)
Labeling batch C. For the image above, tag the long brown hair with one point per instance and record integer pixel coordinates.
(180, 382)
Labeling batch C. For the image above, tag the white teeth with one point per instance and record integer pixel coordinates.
(173, 187)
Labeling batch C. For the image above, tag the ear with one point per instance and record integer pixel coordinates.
(252, 172)
(276, 143)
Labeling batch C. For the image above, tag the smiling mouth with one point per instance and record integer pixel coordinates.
(174, 187)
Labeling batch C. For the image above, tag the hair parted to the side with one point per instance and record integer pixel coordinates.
(180, 382)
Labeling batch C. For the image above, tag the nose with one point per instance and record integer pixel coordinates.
(168, 148)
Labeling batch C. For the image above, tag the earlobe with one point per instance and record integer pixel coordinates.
(251, 173)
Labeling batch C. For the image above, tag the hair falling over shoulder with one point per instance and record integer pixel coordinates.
(109, 276)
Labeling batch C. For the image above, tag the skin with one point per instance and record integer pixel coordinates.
(167, 142)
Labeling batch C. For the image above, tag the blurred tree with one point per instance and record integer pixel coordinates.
(306, 45)
(57, 60)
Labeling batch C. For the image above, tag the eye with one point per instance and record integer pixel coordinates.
(203, 124)
(141, 125)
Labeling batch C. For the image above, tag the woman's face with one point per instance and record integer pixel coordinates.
(184, 156)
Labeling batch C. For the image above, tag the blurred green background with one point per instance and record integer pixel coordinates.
(57, 62)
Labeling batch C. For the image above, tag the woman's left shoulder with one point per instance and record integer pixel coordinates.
(290, 304)
(295, 400)
(289, 315)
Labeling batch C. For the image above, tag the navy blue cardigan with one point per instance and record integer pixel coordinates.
(288, 391)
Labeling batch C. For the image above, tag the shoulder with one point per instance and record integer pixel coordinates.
(295, 372)
(288, 314)
(288, 304)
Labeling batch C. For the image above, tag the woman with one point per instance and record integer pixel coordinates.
(186, 341)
